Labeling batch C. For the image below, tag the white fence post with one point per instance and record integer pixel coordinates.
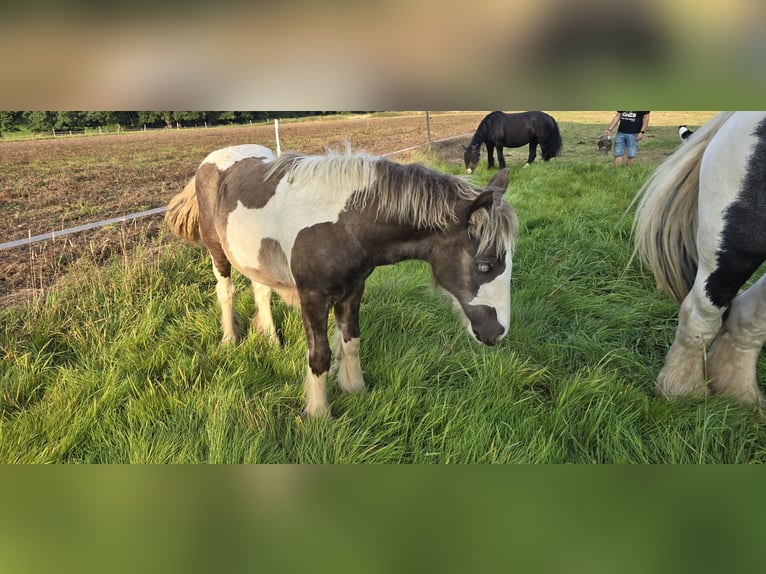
(428, 128)
(276, 134)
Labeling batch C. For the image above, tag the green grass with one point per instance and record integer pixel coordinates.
(124, 364)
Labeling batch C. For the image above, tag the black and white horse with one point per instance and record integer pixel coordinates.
(701, 228)
(313, 228)
(498, 130)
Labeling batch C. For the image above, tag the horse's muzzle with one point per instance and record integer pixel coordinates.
(489, 341)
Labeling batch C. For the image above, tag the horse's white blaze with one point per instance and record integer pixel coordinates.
(287, 212)
(469, 170)
(497, 294)
(224, 158)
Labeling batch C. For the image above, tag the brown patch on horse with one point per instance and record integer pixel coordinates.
(251, 187)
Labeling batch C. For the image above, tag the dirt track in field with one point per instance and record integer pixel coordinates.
(53, 184)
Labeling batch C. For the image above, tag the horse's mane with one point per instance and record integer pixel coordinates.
(410, 194)
(482, 131)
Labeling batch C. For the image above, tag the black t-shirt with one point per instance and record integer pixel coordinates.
(631, 122)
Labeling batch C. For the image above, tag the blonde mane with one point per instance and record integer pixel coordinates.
(410, 194)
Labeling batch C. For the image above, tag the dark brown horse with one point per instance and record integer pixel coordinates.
(313, 228)
(498, 130)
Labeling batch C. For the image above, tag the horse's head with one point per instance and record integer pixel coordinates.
(471, 157)
(473, 262)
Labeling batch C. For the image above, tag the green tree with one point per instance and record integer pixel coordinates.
(40, 121)
(150, 119)
(10, 121)
(69, 120)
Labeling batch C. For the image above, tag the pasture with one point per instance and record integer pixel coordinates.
(121, 362)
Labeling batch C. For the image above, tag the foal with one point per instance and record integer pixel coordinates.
(313, 228)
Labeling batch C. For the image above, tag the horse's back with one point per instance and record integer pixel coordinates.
(226, 157)
(520, 128)
(242, 162)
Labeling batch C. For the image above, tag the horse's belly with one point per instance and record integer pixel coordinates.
(257, 247)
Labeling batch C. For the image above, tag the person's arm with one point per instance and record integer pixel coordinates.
(612, 124)
(644, 125)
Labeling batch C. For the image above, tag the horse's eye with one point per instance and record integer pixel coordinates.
(483, 267)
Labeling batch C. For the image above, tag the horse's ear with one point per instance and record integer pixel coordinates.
(499, 182)
(484, 201)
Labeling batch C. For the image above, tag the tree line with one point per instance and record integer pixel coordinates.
(45, 121)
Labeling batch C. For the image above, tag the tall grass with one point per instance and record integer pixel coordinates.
(124, 364)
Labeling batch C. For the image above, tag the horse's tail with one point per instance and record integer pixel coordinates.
(182, 215)
(551, 144)
(665, 227)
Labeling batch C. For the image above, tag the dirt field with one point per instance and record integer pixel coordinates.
(54, 184)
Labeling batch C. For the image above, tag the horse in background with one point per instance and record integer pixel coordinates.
(684, 132)
(498, 130)
(701, 228)
(313, 228)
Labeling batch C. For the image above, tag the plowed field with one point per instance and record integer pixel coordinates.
(53, 184)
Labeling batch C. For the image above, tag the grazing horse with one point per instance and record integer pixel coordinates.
(701, 228)
(313, 228)
(499, 129)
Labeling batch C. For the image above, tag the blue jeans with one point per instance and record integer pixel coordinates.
(622, 141)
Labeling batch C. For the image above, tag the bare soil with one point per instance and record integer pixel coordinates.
(58, 183)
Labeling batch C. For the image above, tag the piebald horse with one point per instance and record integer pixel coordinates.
(313, 228)
(701, 228)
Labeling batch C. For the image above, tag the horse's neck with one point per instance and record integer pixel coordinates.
(394, 243)
(480, 136)
(388, 242)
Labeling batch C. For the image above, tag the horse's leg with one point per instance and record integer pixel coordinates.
(725, 263)
(346, 344)
(490, 155)
(224, 289)
(500, 156)
(263, 320)
(698, 322)
(532, 152)
(314, 310)
(733, 357)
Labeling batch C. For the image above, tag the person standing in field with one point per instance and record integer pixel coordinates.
(631, 127)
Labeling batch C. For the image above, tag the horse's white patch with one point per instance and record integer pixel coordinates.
(497, 294)
(224, 158)
(291, 209)
(469, 170)
(723, 163)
